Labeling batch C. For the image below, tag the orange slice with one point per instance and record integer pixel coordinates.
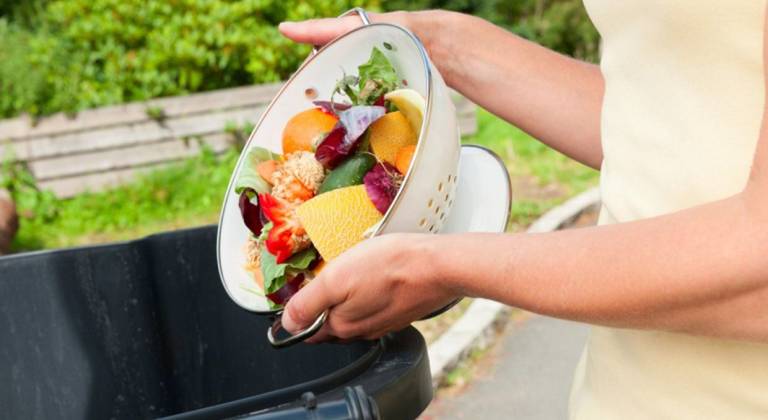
(305, 129)
(389, 134)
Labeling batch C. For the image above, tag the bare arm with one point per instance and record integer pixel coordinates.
(555, 98)
(703, 271)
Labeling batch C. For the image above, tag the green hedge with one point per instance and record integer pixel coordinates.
(87, 53)
(68, 55)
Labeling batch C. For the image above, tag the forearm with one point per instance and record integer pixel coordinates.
(555, 98)
(702, 271)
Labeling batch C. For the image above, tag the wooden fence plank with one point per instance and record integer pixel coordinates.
(21, 128)
(133, 134)
(113, 159)
(69, 187)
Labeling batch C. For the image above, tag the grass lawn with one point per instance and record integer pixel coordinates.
(541, 177)
(190, 194)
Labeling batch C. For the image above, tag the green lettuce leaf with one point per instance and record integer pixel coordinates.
(275, 274)
(265, 232)
(376, 77)
(302, 260)
(248, 177)
(348, 86)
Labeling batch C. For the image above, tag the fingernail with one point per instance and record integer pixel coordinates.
(285, 25)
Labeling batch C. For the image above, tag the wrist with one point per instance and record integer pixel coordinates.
(436, 30)
(440, 258)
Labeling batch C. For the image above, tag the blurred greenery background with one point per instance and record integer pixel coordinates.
(69, 55)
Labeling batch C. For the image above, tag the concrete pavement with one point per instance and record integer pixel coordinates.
(527, 376)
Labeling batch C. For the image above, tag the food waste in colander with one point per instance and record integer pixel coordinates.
(343, 161)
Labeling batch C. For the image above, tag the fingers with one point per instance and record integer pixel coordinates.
(308, 304)
(318, 31)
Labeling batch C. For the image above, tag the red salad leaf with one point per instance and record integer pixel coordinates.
(332, 107)
(289, 289)
(331, 151)
(381, 186)
(343, 138)
(249, 209)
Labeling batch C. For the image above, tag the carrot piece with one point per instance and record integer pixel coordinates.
(266, 169)
(404, 157)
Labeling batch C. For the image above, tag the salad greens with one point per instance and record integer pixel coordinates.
(275, 275)
(376, 77)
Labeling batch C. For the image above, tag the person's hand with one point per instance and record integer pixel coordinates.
(320, 31)
(436, 29)
(379, 286)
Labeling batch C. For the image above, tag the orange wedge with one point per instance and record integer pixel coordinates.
(389, 134)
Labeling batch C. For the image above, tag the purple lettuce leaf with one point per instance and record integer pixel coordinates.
(332, 107)
(250, 211)
(331, 151)
(357, 119)
(343, 138)
(381, 186)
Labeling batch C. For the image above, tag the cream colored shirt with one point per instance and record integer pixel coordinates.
(681, 118)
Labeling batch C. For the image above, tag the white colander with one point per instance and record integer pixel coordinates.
(424, 202)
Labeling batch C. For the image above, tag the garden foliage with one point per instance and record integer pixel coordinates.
(67, 55)
(78, 54)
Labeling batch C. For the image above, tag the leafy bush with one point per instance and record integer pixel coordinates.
(21, 11)
(67, 55)
(87, 53)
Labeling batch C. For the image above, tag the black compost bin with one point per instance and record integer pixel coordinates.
(144, 329)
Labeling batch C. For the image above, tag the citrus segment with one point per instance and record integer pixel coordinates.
(389, 134)
(404, 157)
(411, 104)
(305, 129)
(335, 221)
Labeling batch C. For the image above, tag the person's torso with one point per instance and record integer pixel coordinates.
(681, 118)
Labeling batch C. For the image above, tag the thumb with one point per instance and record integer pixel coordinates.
(306, 305)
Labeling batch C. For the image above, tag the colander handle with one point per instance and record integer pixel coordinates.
(296, 338)
(357, 10)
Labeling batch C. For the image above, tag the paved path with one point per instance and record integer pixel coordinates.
(527, 376)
